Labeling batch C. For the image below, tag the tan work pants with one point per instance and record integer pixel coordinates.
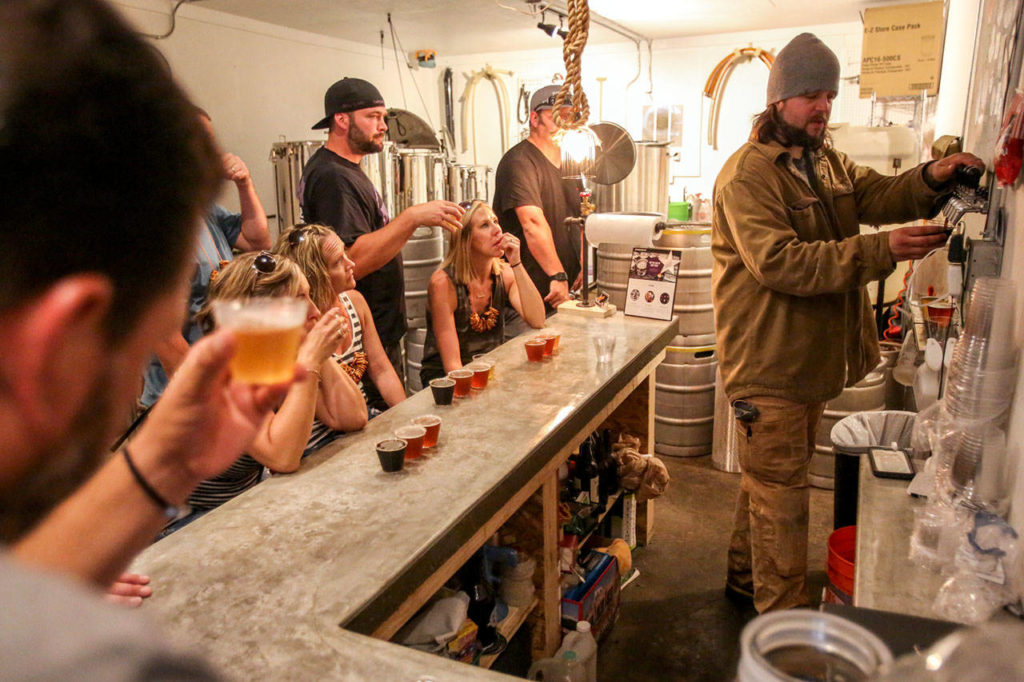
(769, 539)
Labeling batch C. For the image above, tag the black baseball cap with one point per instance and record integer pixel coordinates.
(544, 98)
(348, 94)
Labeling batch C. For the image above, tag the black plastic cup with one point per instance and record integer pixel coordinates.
(391, 453)
(443, 390)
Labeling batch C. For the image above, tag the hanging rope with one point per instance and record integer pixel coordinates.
(572, 54)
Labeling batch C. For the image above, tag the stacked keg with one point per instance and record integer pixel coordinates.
(684, 402)
(414, 340)
(867, 396)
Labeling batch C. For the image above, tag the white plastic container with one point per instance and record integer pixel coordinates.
(801, 644)
(583, 644)
(555, 670)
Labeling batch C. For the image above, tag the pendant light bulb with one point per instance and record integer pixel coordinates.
(579, 149)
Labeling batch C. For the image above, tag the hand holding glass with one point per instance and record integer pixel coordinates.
(267, 333)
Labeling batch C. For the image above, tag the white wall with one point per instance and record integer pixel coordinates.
(261, 83)
(681, 68)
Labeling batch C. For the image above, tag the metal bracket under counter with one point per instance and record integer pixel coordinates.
(884, 577)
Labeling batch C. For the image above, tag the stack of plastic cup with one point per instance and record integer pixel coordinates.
(978, 393)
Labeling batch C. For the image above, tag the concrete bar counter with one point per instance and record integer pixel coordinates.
(884, 576)
(277, 583)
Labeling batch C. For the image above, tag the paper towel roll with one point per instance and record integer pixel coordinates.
(635, 229)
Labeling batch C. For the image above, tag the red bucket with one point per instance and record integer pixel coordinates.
(842, 552)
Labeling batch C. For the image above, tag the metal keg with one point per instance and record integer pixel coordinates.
(895, 392)
(379, 168)
(467, 182)
(725, 447)
(419, 176)
(644, 190)
(289, 158)
(414, 341)
(867, 396)
(692, 242)
(421, 256)
(684, 397)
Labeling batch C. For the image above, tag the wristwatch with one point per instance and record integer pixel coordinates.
(559, 277)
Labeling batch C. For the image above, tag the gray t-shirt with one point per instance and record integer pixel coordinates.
(52, 629)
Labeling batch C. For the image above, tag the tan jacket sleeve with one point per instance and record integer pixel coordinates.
(761, 230)
(886, 199)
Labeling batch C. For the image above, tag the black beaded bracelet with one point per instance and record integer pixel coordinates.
(169, 509)
(517, 264)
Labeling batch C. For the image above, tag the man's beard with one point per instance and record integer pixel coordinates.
(58, 473)
(793, 136)
(361, 143)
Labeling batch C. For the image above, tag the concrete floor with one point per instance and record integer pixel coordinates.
(675, 622)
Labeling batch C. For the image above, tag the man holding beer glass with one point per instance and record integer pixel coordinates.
(85, 294)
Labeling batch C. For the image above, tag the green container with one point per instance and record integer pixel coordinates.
(679, 210)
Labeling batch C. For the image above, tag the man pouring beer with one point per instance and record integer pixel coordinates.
(792, 318)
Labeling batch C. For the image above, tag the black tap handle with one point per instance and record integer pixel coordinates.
(968, 176)
(957, 253)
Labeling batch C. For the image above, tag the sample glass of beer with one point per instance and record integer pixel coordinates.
(432, 424)
(443, 390)
(481, 372)
(549, 344)
(463, 381)
(535, 349)
(391, 453)
(267, 332)
(413, 437)
(482, 357)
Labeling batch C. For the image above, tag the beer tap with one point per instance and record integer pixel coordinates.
(967, 196)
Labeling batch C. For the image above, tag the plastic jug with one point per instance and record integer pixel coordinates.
(583, 644)
(556, 670)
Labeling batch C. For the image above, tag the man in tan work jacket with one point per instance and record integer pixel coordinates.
(793, 320)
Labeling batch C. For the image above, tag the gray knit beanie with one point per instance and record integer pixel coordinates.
(804, 65)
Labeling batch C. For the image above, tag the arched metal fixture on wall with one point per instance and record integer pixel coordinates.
(720, 74)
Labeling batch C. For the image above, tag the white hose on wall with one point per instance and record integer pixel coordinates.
(468, 109)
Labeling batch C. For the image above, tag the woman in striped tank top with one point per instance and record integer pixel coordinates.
(323, 403)
(331, 274)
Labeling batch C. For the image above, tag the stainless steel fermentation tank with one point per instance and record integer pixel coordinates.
(289, 158)
(467, 182)
(404, 176)
(644, 190)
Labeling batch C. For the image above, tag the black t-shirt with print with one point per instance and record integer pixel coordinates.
(335, 192)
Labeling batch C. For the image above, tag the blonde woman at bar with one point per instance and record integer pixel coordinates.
(316, 409)
(322, 256)
(469, 294)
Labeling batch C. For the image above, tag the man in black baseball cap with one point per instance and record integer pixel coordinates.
(348, 94)
(334, 191)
